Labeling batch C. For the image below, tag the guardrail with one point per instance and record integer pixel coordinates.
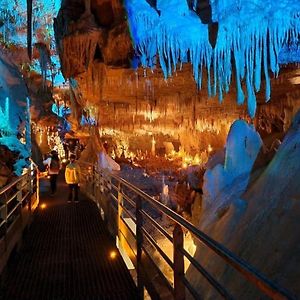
(132, 215)
(18, 200)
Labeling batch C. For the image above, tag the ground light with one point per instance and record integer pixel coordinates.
(112, 254)
(43, 206)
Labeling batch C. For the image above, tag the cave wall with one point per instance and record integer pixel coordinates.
(258, 224)
(15, 141)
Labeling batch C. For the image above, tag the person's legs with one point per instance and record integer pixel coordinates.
(76, 192)
(53, 183)
(70, 192)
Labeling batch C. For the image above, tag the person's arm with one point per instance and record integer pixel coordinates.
(67, 174)
(34, 164)
(47, 161)
(78, 171)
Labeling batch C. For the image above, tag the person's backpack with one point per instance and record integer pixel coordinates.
(54, 165)
(72, 175)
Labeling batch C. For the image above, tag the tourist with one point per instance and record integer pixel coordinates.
(72, 176)
(66, 149)
(53, 166)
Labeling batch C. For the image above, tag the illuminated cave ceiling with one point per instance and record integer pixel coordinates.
(96, 53)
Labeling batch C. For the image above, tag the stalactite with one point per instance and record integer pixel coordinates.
(87, 4)
(252, 33)
(29, 28)
(28, 126)
(76, 109)
(44, 60)
(5, 126)
(79, 49)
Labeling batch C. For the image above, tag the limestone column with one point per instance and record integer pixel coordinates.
(87, 4)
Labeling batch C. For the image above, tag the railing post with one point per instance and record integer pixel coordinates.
(139, 243)
(19, 194)
(5, 225)
(179, 288)
(19, 199)
(120, 210)
(32, 177)
(90, 181)
(5, 215)
(30, 185)
(120, 215)
(94, 175)
(102, 183)
(35, 178)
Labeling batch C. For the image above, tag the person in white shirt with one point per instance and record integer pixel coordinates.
(53, 165)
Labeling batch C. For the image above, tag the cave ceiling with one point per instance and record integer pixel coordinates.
(97, 52)
(100, 61)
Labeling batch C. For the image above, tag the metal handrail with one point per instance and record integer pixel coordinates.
(159, 250)
(158, 227)
(167, 283)
(249, 272)
(19, 199)
(17, 195)
(13, 183)
(207, 275)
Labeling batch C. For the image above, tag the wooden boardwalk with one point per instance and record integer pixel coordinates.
(65, 255)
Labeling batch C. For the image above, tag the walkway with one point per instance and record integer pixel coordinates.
(66, 256)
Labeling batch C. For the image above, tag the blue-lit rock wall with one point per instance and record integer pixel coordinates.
(14, 112)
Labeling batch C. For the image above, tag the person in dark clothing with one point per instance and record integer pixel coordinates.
(53, 165)
(66, 149)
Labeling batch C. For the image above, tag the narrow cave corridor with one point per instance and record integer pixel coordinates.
(149, 149)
